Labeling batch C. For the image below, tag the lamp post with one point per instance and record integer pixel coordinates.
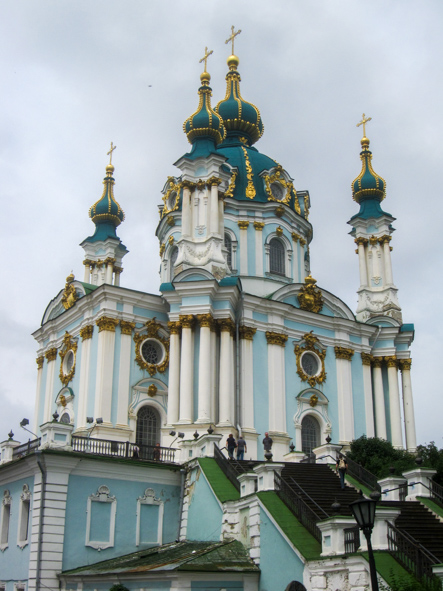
(364, 513)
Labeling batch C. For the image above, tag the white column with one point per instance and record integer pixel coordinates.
(213, 208)
(85, 363)
(39, 361)
(186, 211)
(51, 357)
(344, 390)
(379, 399)
(87, 278)
(174, 372)
(276, 381)
(394, 403)
(361, 243)
(186, 370)
(408, 404)
(295, 265)
(105, 365)
(204, 369)
(226, 410)
(246, 377)
(243, 225)
(367, 389)
(259, 248)
(387, 256)
(214, 374)
(109, 270)
(221, 217)
(126, 329)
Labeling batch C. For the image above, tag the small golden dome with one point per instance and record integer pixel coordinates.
(110, 168)
(70, 278)
(233, 62)
(364, 142)
(205, 77)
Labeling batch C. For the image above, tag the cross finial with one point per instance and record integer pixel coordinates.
(205, 57)
(110, 152)
(363, 122)
(232, 37)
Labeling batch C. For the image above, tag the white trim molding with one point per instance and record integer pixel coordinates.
(149, 499)
(102, 496)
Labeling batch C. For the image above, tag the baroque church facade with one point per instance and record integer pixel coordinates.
(240, 340)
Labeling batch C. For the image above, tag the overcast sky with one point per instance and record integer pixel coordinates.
(76, 75)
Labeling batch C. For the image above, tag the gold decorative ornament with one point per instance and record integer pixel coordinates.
(230, 190)
(385, 238)
(69, 347)
(313, 400)
(110, 152)
(226, 325)
(171, 240)
(310, 343)
(259, 226)
(69, 296)
(243, 224)
(201, 185)
(295, 237)
(276, 338)
(404, 364)
(106, 323)
(286, 187)
(343, 353)
(279, 211)
(361, 240)
(250, 189)
(279, 231)
(109, 261)
(306, 208)
(366, 358)
(86, 332)
(51, 354)
(126, 327)
(170, 221)
(373, 240)
(152, 328)
(171, 204)
(302, 241)
(391, 361)
(187, 320)
(174, 327)
(62, 399)
(40, 361)
(214, 181)
(152, 390)
(162, 249)
(310, 297)
(247, 332)
(205, 320)
(377, 361)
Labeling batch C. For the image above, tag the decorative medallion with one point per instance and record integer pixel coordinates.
(310, 297)
(151, 349)
(68, 355)
(152, 390)
(171, 198)
(69, 296)
(310, 360)
(313, 400)
(277, 188)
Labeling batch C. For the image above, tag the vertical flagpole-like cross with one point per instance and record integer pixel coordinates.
(110, 152)
(363, 122)
(232, 37)
(205, 57)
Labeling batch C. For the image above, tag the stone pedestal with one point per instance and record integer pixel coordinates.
(333, 534)
(6, 450)
(390, 488)
(198, 448)
(248, 483)
(56, 436)
(294, 456)
(327, 453)
(265, 475)
(419, 482)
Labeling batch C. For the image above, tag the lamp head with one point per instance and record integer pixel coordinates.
(172, 433)
(89, 420)
(24, 422)
(99, 421)
(181, 435)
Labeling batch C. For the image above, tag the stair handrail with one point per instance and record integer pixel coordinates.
(304, 513)
(303, 492)
(362, 474)
(224, 464)
(410, 553)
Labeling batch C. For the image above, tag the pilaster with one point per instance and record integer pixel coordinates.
(276, 382)
(394, 402)
(343, 357)
(51, 356)
(226, 393)
(186, 369)
(174, 372)
(366, 360)
(105, 364)
(204, 369)
(243, 225)
(126, 329)
(85, 364)
(379, 398)
(408, 404)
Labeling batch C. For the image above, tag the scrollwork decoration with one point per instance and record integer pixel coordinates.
(311, 343)
(151, 331)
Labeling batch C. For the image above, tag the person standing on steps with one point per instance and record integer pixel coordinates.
(231, 445)
(241, 448)
(341, 467)
(267, 442)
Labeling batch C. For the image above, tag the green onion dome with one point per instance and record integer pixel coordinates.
(240, 118)
(368, 185)
(204, 123)
(106, 213)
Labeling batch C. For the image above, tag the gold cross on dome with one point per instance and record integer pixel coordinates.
(232, 37)
(363, 122)
(205, 57)
(110, 152)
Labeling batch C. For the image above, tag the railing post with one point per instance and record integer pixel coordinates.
(127, 450)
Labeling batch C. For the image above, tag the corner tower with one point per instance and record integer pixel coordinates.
(372, 230)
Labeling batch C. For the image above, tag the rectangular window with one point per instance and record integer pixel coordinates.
(4, 535)
(23, 523)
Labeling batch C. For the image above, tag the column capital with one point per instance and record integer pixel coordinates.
(109, 260)
(259, 226)
(247, 332)
(343, 353)
(51, 354)
(366, 358)
(205, 320)
(187, 320)
(127, 327)
(405, 364)
(106, 323)
(361, 241)
(214, 181)
(243, 224)
(174, 327)
(39, 361)
(188, 185)
(276, 338)
(373, 240)
(295, 237)
(86, 332)
(377, 361)
(391, 361)
(226, 325)
(385, 239)
(302, 241)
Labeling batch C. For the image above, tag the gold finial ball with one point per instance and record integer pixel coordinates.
(70, 278)
(205, 77)
(310, 280)
(364, 142)
(110, 168)
(233, 62)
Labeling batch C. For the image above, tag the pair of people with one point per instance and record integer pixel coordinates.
(232, 445)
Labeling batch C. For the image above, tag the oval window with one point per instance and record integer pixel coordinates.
(310, 364)
(152, 352)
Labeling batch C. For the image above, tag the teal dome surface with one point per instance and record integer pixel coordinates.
(368, 184)
(204, 123)
(106, 213)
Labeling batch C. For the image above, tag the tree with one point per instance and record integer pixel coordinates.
(378, 455)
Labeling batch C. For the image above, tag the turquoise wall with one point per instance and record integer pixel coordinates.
(261, 398)
(205, 513)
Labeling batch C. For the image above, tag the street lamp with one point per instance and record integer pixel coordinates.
(364, 513)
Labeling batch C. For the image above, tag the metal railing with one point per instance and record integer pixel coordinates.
(26, 448)
(298, 490)
(301, 510)
(411, 554)
(225, 465)
(122, 449)
(362, 475)
(437, 492)
(352, 540)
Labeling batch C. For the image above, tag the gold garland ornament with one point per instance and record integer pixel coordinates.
(310, 297)
(311, 343)
(151, 331)
(70, 296)
(68, 345)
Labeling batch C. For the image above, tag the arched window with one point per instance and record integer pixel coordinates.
(228, 246)
(276, 257)
(148, 427)
(172, 259)
(310, 434)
